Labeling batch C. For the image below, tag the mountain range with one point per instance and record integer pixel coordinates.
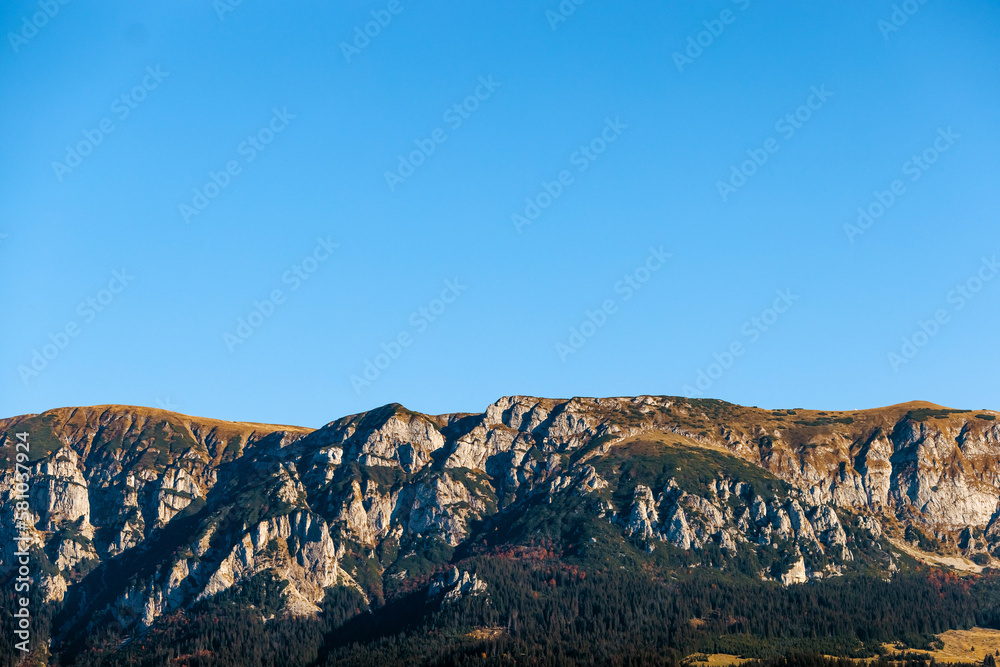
(437, 537)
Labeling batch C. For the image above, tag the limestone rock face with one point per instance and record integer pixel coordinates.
(59, 493)
(584, 482)
(444, 506)
(945, 472)
(103, 480)
(176, 491)
(871, 525)
(190, 507)
(799, 522)
(730, 513)
(71, 552)
(401, 440)
(53, 588)
(875, 468)
(678, 532)
(456, 584)
(827, 526)
(297, 547)
(564, 422)
(711, 516)
(477, 448)
(368, 513)
(796, 575)
(644, 517)
(727, 541)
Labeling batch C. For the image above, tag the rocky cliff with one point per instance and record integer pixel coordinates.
(137, 512)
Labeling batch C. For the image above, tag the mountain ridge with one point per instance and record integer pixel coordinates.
(140, 513)
(151, 411)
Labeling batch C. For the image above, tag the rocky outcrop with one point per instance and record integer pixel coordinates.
(395, 437)
(795, 575)
(368, 513)
(730, 513)
(444, 506)
(678, 532)
(296, 547)
(484, 448)
(643, 519)
(390, 484)
(584, 482)
(177, 488)
(944, 471)
(59, 493)
(456, 584)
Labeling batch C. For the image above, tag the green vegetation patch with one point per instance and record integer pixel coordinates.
(232, 449)
(923, 541)
(42, 439)
(653, 462)
(422, 555)
(825, 421)
(923, 414)
(264, 591)
(478, 485)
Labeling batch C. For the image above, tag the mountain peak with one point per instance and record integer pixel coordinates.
(140, 512)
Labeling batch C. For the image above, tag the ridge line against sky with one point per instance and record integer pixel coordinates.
(451, 413)
(280, 214)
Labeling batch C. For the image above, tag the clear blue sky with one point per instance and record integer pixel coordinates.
(661, 131)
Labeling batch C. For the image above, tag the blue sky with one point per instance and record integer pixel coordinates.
(574, 227)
